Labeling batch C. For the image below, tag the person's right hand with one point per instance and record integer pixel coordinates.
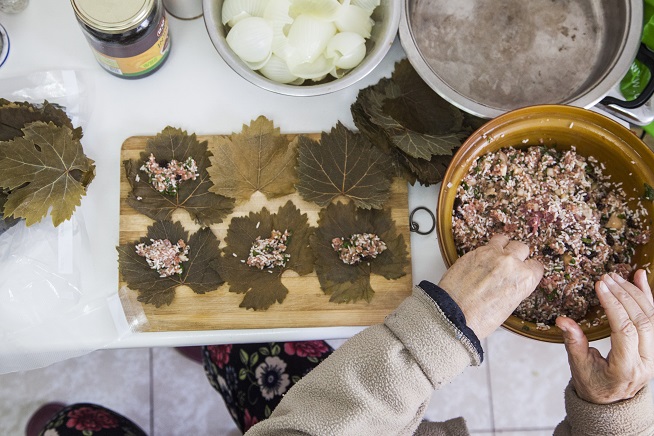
(489, 282)
(629, 365)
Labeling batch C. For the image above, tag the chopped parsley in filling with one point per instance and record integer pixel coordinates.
(167, 180)
(358, 247)
(576, 221)
(163, 256)
(270, 252)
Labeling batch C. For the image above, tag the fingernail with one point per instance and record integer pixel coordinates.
(603, 287)
(618, 278)
(564, 329)
(608, 279)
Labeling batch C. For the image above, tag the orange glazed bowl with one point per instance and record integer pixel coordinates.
(627, 160)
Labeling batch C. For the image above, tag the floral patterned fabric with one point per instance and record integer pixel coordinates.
(90, 420)
(252, 378)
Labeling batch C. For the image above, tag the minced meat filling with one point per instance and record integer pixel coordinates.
(574, 219)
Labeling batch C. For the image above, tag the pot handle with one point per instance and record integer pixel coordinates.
(646, 56)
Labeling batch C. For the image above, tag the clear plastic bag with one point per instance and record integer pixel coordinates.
(48, 310)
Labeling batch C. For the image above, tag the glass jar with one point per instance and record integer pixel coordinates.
(129, 38)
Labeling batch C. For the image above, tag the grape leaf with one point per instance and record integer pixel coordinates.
(263, 288)
(44, 169)
(8, 222)
(257, 159)
(193, 195)
(407, 120)
(349, 283)
(199, 273)
(343, 163)
(16, 115)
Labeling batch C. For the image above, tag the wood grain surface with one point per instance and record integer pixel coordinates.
(305, 305)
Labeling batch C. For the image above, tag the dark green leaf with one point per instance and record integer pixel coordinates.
(407, 120)
(193, 195)
(295, 379)
(267, 411)
(263, 288)
(14, 116)
(343, 163)
(199, 272)
(349, 283)
(45, 170)
(275, 350)
(242, 374)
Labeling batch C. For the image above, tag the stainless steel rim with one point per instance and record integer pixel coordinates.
(212, 15)
(586, 100)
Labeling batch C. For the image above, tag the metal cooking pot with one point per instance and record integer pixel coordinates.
(490, 57)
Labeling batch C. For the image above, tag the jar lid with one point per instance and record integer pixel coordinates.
(112, 16)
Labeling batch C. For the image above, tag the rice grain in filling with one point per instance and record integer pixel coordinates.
(576, 222)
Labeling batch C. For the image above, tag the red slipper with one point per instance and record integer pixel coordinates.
(41, 417)
(192, 353)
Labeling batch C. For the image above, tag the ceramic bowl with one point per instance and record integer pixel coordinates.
(626, 157)
(387, 20)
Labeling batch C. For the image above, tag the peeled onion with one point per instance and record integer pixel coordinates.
(320, 9)
(290, 41)
(347, 49)
(278, 11)
(276, 69)
(368, 5)
(236, 10)
(251, 39)
(315, 70)
(308, 37)
(354, 19)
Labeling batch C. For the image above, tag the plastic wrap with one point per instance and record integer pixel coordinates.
(48, 308)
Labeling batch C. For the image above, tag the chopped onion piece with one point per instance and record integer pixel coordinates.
(320, 9)
(308, 37)
(257, 65)
(280, 45)
(354, 19)
(368, 5)
(276, 69)
(290, 41)
(347, 49)
(315, 70)
(278, 11)
(251, 39)
(236, 10)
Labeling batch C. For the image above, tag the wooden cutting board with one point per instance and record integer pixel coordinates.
(305, 305)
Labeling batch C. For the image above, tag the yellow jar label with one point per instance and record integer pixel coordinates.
(143, 62)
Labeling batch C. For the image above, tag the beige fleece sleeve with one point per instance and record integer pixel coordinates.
(634, 417)
(380, 381)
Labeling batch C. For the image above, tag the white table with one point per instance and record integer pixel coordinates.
(195, 90)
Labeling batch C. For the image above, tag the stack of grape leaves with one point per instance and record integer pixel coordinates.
(247, 184)
(43, 168)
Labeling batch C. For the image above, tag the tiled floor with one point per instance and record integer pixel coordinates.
(517, 391)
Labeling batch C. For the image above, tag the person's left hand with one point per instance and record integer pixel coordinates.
(629, 365)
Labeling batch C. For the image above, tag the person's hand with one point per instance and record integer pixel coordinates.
(489, 282)
(629, 365)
